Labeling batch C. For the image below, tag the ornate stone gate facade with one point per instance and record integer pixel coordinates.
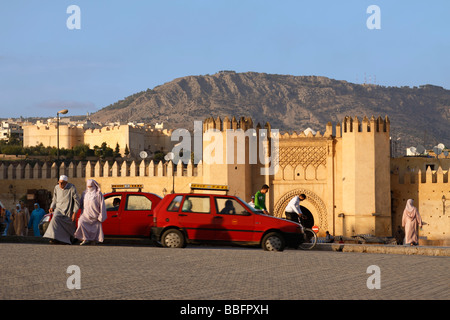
(319, 211)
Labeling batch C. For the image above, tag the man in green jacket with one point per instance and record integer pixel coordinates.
(260, 199)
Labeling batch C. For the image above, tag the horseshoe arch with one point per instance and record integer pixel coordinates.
(312, 198)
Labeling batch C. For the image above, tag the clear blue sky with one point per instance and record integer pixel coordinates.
(124, 47)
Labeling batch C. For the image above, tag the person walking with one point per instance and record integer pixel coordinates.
(20, 221)
(93, 214)
(36, 216)
(260, 199)
(6, 215)
(25, 209)
(64, 207)
(410, 221)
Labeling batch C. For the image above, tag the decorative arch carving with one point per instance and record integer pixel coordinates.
(312, 197)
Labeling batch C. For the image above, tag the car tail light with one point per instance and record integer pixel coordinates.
(47, 218)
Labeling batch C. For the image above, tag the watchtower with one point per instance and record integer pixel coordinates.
(364, 176)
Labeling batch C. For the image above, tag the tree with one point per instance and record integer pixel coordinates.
(116, 151)
(127, 151)
(158, 156)
(103, 151)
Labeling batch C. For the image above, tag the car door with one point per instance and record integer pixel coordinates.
(113, 203)
(136, 216)
(195, 217)
(233, 220)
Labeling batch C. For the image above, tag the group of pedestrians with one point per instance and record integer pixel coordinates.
(66, 203)
(19, 220)
(64, 207)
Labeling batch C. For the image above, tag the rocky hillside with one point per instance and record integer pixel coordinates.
(290, 103)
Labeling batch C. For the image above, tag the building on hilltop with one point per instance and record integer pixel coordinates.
(135, 137)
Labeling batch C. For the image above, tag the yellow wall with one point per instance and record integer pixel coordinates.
(409, 180)
(136, 138)
(346, 173)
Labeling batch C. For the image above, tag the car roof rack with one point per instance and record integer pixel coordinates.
(114, 187)
(209, 187)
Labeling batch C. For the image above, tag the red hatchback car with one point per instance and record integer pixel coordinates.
(130, 214)
(194, 217)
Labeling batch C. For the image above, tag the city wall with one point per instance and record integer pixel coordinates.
(156, 178)
(136, 138)
(352, 185)
(413, 178)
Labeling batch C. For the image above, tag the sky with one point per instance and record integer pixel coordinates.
(126, 46)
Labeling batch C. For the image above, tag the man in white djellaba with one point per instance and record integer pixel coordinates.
(93, 214)
(64, 207)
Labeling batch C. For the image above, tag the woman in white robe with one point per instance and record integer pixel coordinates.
(410, 221)
(93, 214)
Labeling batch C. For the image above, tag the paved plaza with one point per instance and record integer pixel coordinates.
(41, 271)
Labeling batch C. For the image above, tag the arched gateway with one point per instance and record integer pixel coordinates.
(312, 198)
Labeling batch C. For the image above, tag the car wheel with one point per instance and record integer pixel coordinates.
(273, 242)
(173, 238)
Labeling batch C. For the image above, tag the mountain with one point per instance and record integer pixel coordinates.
(419, 115)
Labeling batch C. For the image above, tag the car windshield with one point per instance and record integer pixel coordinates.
(249, 207)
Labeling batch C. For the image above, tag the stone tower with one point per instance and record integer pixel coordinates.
(230, 149)
(365, 174)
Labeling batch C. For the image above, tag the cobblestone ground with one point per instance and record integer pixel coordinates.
(39, 271)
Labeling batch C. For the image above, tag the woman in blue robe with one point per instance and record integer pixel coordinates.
(6, 214)
(36, 217)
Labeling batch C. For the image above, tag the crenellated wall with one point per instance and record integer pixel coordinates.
(344, 172)
(156, 178)
(362, 176)
(413, 178)
(352, 185)
(136, 138)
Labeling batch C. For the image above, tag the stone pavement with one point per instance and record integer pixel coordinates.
(200, 273)
(386, 249)
(344, 247)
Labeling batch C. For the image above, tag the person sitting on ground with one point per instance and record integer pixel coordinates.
(329, 238)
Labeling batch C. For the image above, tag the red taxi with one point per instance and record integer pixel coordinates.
(213, 218)
(130, 213)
